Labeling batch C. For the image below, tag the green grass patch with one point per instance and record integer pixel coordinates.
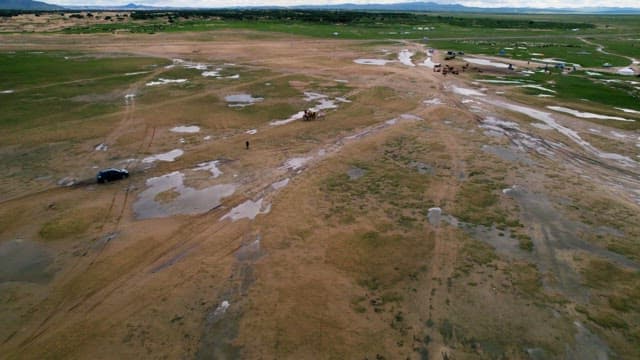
(475, 253)
(607, 320)
(601, 274)
(477, 201)
(575, 87)
(621, 303)
(352, 24)
(34, 68)
(526, 278)
(569, 50)
(71, 224)
(53, 93)
(620, 45)
(380, 261)
(391, 185)
(524, 242)
(582, 92)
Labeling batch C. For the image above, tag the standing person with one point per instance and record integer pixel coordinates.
(247, 144)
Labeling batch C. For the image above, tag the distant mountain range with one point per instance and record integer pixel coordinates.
(405, 6)
(27, 5)
(435, 7)
(128, 7)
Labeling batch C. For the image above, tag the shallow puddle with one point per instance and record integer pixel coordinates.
(491, 81)
(433, 102)
(222, 308)
(251, 251)
(211, 166)
(24, 260)
(429, 63)
(485, 62)
(541, 126)
(297, 116)
(466, 92)
(241, 100)
(434, 216)
(626, 72)
(168, 156)
(186, 129)
(280, 184)
(137, 73)
(405, 56)
(522, 140)
(183, 200)
(247, 210)
(554, 61)
(586, 115)
(211, 73)
(630, 111)
(378, 62)
(356, 173)
(163, 81)
(547, 119)
(296, 163)
(323, 103)
(196, 66)
(422, 168)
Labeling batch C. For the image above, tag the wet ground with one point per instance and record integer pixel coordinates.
(25, 261)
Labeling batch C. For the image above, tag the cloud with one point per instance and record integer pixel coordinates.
(475, 3)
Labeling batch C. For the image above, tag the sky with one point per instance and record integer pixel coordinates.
(474, 3)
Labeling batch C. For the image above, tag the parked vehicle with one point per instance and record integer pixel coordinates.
(111, 174)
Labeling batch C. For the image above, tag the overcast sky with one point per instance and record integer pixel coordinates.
(475, 3)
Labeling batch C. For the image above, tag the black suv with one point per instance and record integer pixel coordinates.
(107, 175)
